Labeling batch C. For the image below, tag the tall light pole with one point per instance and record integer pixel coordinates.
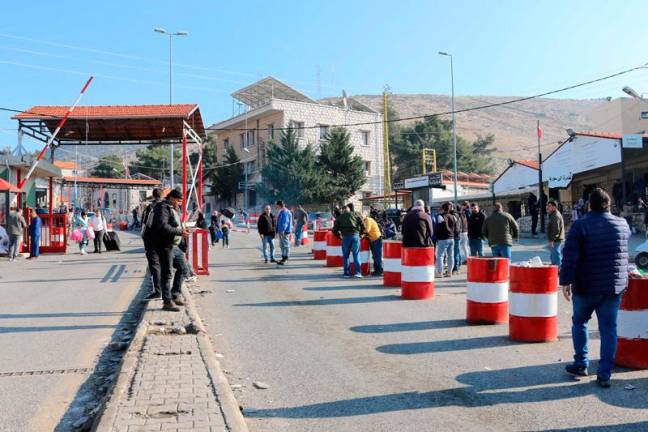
(182, 33)
(454, 130)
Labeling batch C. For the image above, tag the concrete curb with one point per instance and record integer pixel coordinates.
(105, 420)
(228, 404)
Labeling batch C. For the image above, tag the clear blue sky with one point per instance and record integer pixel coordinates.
(47, 49)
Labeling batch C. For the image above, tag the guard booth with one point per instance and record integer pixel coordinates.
(118, 125)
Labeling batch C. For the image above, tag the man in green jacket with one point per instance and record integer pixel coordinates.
(500, 229)
(555, 232)
(349, 227)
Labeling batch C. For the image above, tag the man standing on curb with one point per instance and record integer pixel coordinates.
(164, 230)
(376, 242)
(500, 229)
(301, 217)
(15, 227)
(266, 227)
(555, 232)
(593, 274)
(349, 227)
(475, 225)
(151, 256)
(284, 228)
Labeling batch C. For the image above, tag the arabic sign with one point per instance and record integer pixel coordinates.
(632, 141)
(417, 182)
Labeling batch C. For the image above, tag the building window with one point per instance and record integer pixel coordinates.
(644, 115)
(271, 131)
(250, 138)
(298, 127)
(324, 131)
(367, 167)
(364, 138)
(249, 167)
(226, 144)
(242, 138)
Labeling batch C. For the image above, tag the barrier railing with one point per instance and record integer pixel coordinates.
(198, 251)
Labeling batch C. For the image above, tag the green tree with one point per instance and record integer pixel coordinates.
(226, 177)
(291, 173)
(109, 166)
(153, 161)
(435, 133)
(343, 173)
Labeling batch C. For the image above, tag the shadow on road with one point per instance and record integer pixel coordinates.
(411, 326)
(346, 287)
(52, 328)
(446, 345)
(61, 315)
(638, 426)
(324, 302)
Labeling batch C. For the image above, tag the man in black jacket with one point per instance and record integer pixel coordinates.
(164, 230)
(267, 229)
(417, 227)
(151, 256)
(475, 224)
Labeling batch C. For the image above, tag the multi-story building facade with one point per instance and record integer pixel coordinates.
(271, 106)
(621, 116)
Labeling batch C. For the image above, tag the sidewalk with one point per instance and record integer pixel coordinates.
(170, 379)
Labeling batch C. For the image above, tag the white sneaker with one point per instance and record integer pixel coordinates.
(83, 252)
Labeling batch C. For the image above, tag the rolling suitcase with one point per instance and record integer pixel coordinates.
(111, 241)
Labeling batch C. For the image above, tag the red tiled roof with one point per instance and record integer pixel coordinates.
(109, 111)
(528, 163)
(119, 181)
(68, 165)
(6, 186)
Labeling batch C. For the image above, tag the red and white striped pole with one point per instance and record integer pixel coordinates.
(632, 326)
(56, 131)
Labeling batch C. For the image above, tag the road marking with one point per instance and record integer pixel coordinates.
(47, 372)
(108, 275)
(120, 272)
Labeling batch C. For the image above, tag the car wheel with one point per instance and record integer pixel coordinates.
(642, 260)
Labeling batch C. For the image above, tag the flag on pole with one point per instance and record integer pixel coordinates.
(539, 131)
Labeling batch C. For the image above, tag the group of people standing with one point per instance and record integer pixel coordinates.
(281, 227)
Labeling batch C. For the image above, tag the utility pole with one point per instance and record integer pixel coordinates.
(386, 156)
(454, 130)
(540, 186)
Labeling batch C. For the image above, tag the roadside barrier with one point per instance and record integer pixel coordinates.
(487, 290)
(304, 239)
(363, 255)
(632, 326)
(319, 245)
(392, 263)
(333, 250)
(533, 303)
(198, 251)
(417, 273)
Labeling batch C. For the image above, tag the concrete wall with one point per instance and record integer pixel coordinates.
(622, 115)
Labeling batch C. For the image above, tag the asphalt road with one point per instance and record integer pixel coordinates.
(350, 355)
(57, 313)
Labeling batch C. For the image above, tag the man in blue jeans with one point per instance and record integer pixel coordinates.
(500, 229)
(593, 273)
(349, 227)
(555, 232)
(284, 229)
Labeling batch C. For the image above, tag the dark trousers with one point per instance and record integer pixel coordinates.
(165, 257)
(154, 266)
(534, 223)
(98, 240)
(181, 271)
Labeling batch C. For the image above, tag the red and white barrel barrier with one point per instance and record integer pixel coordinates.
(363, 255)
(417, 273)
(533, 303)
(487, 290)
(632, 326)
(319, 245)
(392, 263)
(304, 239)
(333, 250)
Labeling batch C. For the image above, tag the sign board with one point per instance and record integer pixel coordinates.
(632, 141)
(435, 179)
(417, 182)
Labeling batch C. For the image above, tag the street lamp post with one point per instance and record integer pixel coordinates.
(454, 131)
(182, 33)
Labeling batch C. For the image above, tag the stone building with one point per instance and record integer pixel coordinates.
(269, 106)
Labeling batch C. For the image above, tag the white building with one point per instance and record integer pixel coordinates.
(270, 105)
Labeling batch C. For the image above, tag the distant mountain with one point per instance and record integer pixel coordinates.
(514, 125)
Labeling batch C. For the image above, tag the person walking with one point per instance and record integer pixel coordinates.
(284, 228)
(98, 223)
(135, 213)
(164, 230)
(475, 236)
(151, 257)
(500, 229)
(301, 218)
(417, 227)
(532, 206)
(15, 228)
(375, 242)
(349, 227)
(82, 224)
(266, 226)
(555, 232)
(593, 274)
(225, 231)
(445, 240)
